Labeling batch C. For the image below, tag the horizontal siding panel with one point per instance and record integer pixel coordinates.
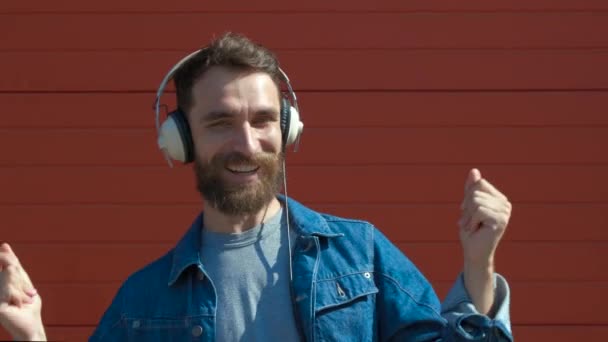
(86, 263)
(547, 303)
(561, 333)
(417, 30)
(311, 5)
(322, 70)
(401, 222)
(328, 146)
(327, 109)
(332, 184)
(521, 261)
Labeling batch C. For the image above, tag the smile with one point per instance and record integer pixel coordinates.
(242, 168)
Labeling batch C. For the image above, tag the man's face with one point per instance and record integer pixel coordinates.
(237, 138)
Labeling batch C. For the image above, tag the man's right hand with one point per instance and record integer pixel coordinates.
(20, 304)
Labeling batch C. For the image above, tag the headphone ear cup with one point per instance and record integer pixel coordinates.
(295, 127)
(285, 120)
(291, 126)
(175, 137)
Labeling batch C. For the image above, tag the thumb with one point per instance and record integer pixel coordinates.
(7, 257)
(5, 247)
(473, 177)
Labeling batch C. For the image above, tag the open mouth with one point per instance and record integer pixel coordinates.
(242, 169)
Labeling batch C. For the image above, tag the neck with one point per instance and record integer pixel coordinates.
(216, 221)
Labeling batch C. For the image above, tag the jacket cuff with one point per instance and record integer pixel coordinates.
(466, 321)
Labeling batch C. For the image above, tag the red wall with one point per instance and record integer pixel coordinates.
(399, 98)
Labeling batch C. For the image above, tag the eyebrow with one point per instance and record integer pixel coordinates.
(220, 114)
(216, 115)
(266, 111)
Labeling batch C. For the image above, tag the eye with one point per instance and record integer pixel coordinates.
(219, 124)
(217, 119)
(264, 119)
(261, 121)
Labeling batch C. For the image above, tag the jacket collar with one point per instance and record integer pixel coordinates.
(303, 220)
(187, 251)
(306, 221)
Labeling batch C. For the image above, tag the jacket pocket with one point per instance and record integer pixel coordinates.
(165, 329)
(345, 308)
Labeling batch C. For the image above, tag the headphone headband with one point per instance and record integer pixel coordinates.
(165, 81)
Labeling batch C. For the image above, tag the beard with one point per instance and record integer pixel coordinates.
(239, 199)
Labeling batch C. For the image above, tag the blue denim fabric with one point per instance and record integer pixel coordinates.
(349, 284)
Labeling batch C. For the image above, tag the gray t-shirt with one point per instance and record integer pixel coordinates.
(250, 272)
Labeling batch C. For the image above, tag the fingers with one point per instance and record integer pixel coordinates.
(484, 186)
(482, 215)
(12, 289)
(479, 198)
(489, 188)
(482, 201)
(15, 285)
(7, 256)
(497, 210)
(475, 183)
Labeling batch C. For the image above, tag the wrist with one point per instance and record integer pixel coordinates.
(479, 266)
(38, 335)
(478, 277)
(41, 336)
(479, 284)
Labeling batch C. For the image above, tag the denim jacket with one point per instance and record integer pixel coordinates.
(349, 284)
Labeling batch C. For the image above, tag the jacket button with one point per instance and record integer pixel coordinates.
(367, 275)
(136, 324)
(197, 331)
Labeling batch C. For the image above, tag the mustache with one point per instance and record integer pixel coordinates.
(262, 159)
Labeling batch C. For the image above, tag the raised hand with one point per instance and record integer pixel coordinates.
(20, 304)
(485, 216)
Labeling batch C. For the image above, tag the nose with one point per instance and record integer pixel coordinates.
(246, 140)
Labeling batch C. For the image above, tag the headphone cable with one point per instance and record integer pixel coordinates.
(287, 221)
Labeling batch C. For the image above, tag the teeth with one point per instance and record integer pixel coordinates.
(242, 168)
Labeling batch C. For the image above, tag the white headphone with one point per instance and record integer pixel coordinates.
(175, 137)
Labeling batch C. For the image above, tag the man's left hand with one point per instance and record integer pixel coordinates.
(485, 215)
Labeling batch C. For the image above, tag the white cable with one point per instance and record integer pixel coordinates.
(287, 220)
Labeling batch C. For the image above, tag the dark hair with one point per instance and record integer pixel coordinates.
(231, 50)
